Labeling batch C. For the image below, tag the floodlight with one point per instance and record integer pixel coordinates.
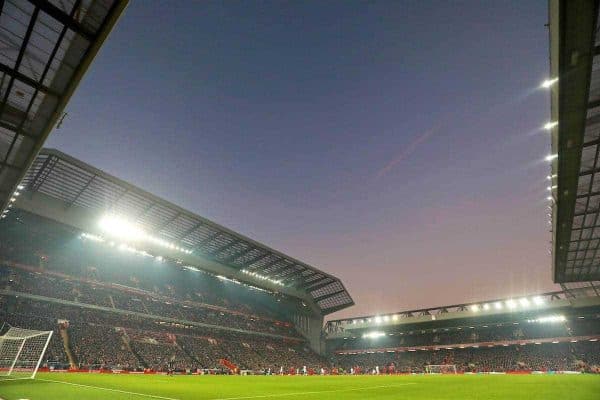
(524, 302)
(548, 83)
(386, 318)
(538, 300)
(120, 227)
(475, 307)
(486, 306)
(373, 335)
(511, 303)
(551, 157)
(498, 305)
(549, 125)
(395, 317)
(20, 187)
(378, 319)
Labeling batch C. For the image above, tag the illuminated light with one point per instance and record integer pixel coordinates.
(159, 258)
(549, 198)
(475, 307)
(16, 193)
(121, 228)
(551, 157)
(538, 300)
(369, 320)
(373, 335)
(89, 236)
(377, 319)
(581, 317)
(549, 319)
(548, 83)
(354, 322)
(386, 318)
(486, 306)
(524, 302)
(554, 187)
(555, 341)
(395, 317)
(20, 187)
(538, 343)
(13, 199)
(498, 305)
(550, 125)
(593, 340)
(573, 341)
(511, 304)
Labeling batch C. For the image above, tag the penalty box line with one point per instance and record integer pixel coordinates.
(108, 389)
(262, 396)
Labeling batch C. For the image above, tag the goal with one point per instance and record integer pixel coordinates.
(441, 369)
(21, 352)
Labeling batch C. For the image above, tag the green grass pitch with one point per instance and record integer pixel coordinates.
(431, 387)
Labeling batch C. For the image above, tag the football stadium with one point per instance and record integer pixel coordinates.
(110, 291)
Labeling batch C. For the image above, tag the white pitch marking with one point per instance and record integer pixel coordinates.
(315, 392)
(108, 389)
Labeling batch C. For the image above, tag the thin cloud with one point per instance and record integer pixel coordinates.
(421, 138)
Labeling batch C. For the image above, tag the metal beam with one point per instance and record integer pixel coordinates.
(88, 183)
(190, 231)
(321, 285)
(233, 242)
(326, 296)
(256, 258)
(64, 19)
(239, 254)
(166, 223)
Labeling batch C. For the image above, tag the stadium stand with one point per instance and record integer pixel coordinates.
(114, 307)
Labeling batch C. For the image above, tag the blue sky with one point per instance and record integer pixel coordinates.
(393, 144)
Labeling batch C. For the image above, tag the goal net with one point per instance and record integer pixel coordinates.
(21, 352)
(440, 369)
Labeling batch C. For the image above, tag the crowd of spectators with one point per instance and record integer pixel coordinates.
(73, 289)
(107, 339)
(533, 357)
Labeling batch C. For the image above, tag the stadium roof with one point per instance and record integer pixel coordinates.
(575, 107)
(580, 296)
(46, 47)
(80, 186)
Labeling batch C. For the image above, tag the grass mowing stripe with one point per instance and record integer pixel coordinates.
(108, 389)
(315, 392)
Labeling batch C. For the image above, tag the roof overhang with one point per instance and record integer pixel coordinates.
(575, 105)
(45, 49)
(570, 301)
(69, 191)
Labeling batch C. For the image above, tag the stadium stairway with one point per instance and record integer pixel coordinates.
(64, 334)
(112, 302)
(127, 343)
(189, 354)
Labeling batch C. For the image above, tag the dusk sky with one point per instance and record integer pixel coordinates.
(396, 145)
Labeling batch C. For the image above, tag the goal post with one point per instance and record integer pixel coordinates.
(21, 352)
(440, 369)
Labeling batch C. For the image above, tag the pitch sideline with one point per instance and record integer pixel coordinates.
(109, 389)
(262, 396)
